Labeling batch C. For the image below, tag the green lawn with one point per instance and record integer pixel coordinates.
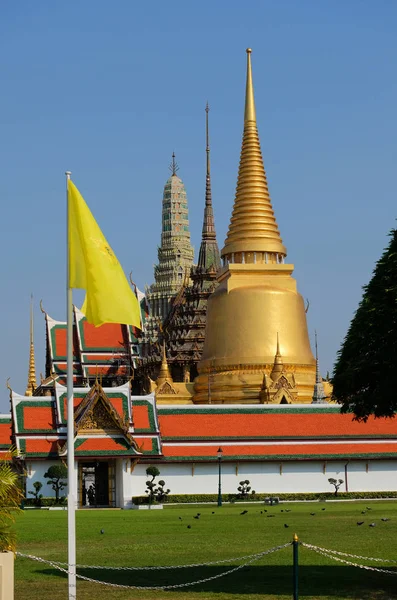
(144, 538)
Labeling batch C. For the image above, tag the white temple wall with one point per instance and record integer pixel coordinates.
(265, 477)
(35, 471)
(124, 483)
(373, 476)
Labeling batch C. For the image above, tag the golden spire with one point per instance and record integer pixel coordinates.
(32, 384)
(278, 365)
(164, 374)
(253, 226)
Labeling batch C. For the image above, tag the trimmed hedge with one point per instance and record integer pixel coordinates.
(200, 498)
(47, 501)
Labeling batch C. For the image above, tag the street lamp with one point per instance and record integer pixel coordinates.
(220, 453)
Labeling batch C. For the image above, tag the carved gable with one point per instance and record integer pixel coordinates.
(99, 418)
(96, 413)
(166, 388)
(280, 391)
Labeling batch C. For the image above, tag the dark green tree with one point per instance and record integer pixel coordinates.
(364, 373)
(161, 492)
(56, 474)
(37, 496)
(155, 490)
(243, 489)
(336, 483)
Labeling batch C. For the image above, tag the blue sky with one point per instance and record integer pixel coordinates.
(110, 90)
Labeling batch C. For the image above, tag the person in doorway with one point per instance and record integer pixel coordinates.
(91, 495)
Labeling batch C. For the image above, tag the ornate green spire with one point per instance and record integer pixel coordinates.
(209, 251)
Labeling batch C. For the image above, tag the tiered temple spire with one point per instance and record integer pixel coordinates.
(185, 327)
(253, 229)
(209, 251)
(32, 384)
(318, 392)
(175, 253)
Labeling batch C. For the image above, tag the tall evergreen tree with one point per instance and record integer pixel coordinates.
(365, 373)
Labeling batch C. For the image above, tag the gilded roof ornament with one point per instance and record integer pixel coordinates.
(278, 365)
(253, 225)
(319, 395)
(164, 374)
(32, 384)
(9, 387)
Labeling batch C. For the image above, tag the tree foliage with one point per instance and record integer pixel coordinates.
(244, 488)
(155, 490)
(36, 494)
(56, 474)
(336, 483)
(11, 496)
(364, 373)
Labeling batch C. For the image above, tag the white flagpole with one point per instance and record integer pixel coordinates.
(70, 423)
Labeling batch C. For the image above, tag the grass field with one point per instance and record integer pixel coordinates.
(162, 537)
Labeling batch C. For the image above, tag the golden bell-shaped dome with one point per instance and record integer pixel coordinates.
(257, 297)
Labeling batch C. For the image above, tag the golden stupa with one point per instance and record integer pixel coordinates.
(257, 302)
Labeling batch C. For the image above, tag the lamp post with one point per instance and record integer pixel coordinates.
(219, 453)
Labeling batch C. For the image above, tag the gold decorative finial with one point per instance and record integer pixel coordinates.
(133, 285)
(174, 165)
(207, 138)
(41, 308)
(295, 538)
(32, 384)
(249, 114)
(253, 227)
(164, 374)
(9, 387)
(278, 365)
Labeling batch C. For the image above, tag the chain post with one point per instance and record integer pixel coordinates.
(295, 546)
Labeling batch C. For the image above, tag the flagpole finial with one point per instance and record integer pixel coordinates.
(68, 174)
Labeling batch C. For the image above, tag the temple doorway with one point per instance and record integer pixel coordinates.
(97, 484)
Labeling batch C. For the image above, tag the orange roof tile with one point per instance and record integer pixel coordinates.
(141, 417)
(5, 434)
(110, 335)
(76, 402)
(268, 424)
(278, 450)
(41, 446)
(60, 342)
(94, 370)
(38, 417)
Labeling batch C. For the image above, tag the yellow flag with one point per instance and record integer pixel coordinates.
(94, 267)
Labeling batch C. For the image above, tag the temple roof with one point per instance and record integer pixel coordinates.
(110, 351)
(107, 421)
(5, 433)
(135, 426)
(273, 432)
